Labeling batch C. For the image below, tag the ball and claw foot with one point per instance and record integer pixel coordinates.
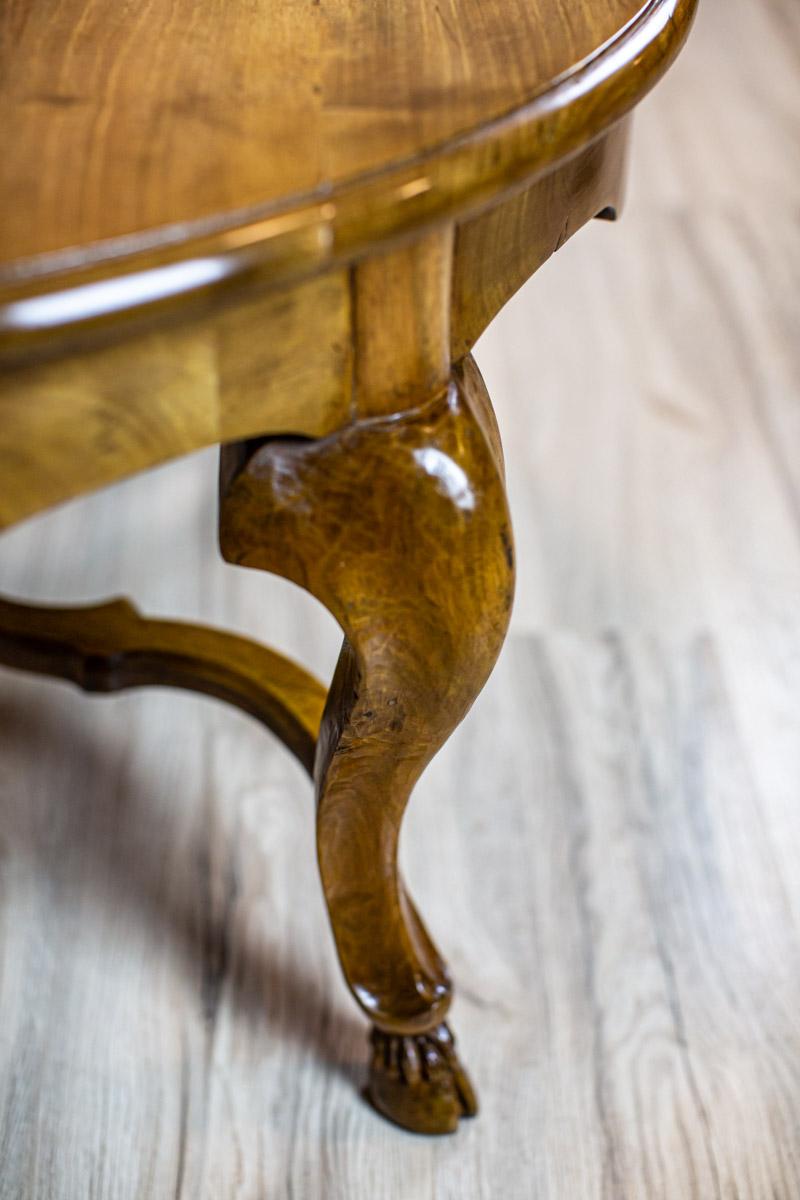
(418, 1082)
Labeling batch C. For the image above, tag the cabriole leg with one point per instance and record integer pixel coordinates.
(399, 525)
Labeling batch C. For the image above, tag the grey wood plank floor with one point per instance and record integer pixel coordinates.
(608, 849)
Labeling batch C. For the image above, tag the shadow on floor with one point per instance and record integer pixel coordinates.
(112, 838)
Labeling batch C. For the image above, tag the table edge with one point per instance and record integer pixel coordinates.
(61, 293)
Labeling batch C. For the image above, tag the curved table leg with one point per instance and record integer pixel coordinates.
(399, 525)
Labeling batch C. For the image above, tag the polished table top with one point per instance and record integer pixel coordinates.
(190, 189)
(137, 128)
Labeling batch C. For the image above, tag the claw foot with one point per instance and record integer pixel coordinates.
(418, 1082)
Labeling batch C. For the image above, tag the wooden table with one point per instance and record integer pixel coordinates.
(281, 228)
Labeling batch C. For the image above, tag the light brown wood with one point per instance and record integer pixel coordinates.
(399, 525)
(499, 250)
(302, 359)
(251, 366)
(120, 355)
(181, 113)
(396, 520)
(71, 424)
(285, 139)
(401, 324)
(159, 993)
(110, 648)
(281, 360)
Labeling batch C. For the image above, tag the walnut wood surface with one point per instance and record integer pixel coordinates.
(401, 324)
(269, 137)
(497, 251)
(399, 525)
(182, 111)
(296, 220)
(608, 849)
(298, 360)
(70, 423)
(110, 364)
(110, 647)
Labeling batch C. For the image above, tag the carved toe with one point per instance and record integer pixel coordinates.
(418, 1082)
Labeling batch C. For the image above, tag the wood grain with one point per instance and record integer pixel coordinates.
(289, 138)
(110, 647)
(499, 250)
(616, 823)
(118, 357)
(296, 360)
(255, 103)
(401, 324)
(399, 526)
(77, 421)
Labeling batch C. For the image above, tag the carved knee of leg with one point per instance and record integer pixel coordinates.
(400, 526)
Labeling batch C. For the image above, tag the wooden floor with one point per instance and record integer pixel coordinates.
(609, 849)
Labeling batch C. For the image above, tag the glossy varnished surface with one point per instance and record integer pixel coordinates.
(73, 422)
(298, 360)
(118, 356)
(357, 125)
(400, 526)
(627, 782)
(498, 250)
(186, 119)
(110, 648)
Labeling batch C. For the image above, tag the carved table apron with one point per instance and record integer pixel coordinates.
(322, 337)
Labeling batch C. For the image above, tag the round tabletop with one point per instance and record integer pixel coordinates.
(291, 131)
